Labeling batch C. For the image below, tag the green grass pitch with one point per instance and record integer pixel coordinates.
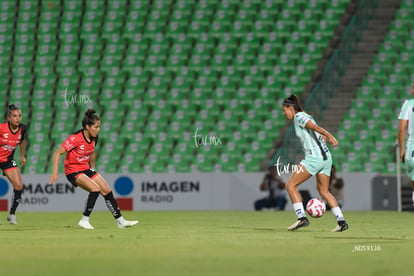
(206, 243)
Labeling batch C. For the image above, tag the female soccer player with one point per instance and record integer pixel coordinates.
(318, 161)
(12, 134)
(407, 149)
(80, 169)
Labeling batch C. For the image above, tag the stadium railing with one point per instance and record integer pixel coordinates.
(317, 99)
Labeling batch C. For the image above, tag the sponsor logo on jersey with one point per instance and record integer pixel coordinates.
(82, 158)
(8, 147)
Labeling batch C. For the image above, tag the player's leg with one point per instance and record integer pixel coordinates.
(93, 188)
(106, 192)
(15, 178)
(86, 183)
(298, 177)
(292, 185)
(322, 181)
(111, 202)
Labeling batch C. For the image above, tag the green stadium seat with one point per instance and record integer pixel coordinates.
(349, 167)
(218, 65)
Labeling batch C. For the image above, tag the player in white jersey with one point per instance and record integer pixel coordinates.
(318, 162)
(406, 118)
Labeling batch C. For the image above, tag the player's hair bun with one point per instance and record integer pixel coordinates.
(13, 107)
(90, 118)
(90, 112)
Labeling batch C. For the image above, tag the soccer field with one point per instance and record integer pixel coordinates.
(207, 243)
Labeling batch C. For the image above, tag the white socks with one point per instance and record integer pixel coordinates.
(85, 218)
(338, 213)
(299, 210)
(120, 219)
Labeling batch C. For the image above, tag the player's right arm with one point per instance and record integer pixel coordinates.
(403, 117)
(331, 139)
(401, 137)
(56, 157)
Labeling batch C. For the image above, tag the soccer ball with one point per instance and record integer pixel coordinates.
(316, 207)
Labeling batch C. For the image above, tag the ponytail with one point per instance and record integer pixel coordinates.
(293, 100)
(90, 118)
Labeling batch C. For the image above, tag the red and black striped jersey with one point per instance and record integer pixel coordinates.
(9, 140)
(78, 152)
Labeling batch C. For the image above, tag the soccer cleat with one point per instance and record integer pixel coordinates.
(342, 226)
(302, 222)
(85, 224)
(127, 223)
(12, 219)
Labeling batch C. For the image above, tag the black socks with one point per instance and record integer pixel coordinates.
(112, 205)
(90, 203)
(17, 198)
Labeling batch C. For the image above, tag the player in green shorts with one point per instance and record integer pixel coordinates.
(406, 118)
(317, 162)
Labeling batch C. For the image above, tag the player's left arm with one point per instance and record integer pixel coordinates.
(331, 139)
(22, 145)
(92, 160)
(22, 153)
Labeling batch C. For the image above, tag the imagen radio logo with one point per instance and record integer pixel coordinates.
(4, 188)
(124, 186)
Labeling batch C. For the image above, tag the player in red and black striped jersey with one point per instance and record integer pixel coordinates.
(12, 135)
(80, 170)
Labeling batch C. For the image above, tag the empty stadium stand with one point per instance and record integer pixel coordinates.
(157, 71)
(369, 127)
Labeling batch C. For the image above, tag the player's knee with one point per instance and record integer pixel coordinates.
(18, 186)
(322, 190)
(95, 188)
(325, 195)
(105, 191)
(290, 186)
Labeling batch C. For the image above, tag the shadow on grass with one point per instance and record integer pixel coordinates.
(255, 228)
(13, 228)
(360, 238)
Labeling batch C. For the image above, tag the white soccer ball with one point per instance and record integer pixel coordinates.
(316, 207)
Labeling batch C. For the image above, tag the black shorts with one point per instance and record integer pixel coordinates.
(8, 165)
(91, 173)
